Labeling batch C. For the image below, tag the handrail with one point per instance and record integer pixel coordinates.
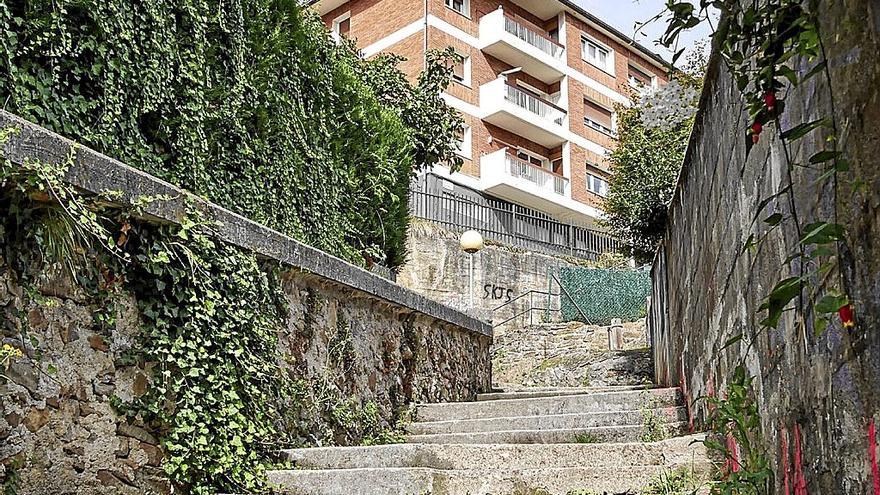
(522, 21)
(524, 312)
(537, 167)
(543, 178)
(524, 294)
(576, 305)
(535, 96)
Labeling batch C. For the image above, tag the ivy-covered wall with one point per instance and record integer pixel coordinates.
(357, 361)
(154, 340)
(815, 387)
(248, 103)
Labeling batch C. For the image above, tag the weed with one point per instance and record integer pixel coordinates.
(587, 438)
(681, 481)
(654, 427)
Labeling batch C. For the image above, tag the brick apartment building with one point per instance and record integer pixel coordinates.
(537, 90)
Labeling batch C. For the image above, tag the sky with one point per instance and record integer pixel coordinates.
(623, 14)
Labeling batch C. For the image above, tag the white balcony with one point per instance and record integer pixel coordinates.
(520, 45)
(511, 178)
(523, 113)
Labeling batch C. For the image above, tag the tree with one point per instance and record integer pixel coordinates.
(652, 138)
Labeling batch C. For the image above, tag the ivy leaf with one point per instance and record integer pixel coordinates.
(731, 341)
(774, 219)
(824, 156)
(819, 325)
(789, 74)
(778, 299)
(831, 303)
(815, 70)
(749, 244)
(801, 130)
(823, 233)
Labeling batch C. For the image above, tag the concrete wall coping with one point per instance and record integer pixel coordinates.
(96, 173)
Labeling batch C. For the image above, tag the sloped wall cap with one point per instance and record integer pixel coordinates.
(96, 173)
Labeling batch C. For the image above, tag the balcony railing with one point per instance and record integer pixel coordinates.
(517, 167)
(532, 37)
(534, 104)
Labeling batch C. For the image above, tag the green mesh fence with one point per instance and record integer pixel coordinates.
(604, 294)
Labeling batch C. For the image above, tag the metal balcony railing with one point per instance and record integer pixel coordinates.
(517, 167)
(534, 104)
(533, 37)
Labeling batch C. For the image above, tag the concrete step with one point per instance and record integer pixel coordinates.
(551, 422)
(420, 481)
(627, 433)
(535, 392)
(678, 451)
(553, 405)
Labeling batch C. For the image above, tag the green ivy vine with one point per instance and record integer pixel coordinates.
(222, 399)
(249, 103)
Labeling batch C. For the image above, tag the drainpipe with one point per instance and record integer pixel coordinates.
(425, 46)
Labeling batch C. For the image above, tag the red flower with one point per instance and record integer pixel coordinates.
(770, 100)
(846, 316)
(756, 131)
(757, 128)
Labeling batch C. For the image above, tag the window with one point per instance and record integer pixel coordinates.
(598, 117)
(341, 26)
(597, 185)
(461, 71)
(639, 78)
(463, 142)
(460, 6)
(530, 158)
(597, 54)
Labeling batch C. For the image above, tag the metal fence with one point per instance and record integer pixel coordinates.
(512, 224)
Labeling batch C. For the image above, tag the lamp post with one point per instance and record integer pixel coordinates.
(471, 242)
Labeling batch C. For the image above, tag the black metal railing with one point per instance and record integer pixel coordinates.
(512, 224)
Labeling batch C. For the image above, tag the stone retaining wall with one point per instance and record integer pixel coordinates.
(59, 433)
(437, 268)
(817, 390)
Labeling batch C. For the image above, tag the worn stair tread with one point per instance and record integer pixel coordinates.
(547, 422)
(626, 433)
(679, 451)
(537, 392)
(557, 404)
(419, 481)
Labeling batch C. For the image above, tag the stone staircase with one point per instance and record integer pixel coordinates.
(534, 441)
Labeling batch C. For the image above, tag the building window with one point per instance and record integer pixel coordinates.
(461, 71)
(639, 78)
(341, 26)
(460, 6)
(598, 117)
(597, 185)
(531, 158)
(597, 54)
(463, 142)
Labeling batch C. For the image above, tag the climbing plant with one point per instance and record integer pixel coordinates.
(220, 398)
(249, 103)
(763, 46)
(770, 48)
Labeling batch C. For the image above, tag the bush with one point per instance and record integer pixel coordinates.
(248, 103)
(652, 139)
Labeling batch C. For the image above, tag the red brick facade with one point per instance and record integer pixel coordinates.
(376, 20)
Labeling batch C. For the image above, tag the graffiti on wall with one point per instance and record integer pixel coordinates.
(497, 292)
